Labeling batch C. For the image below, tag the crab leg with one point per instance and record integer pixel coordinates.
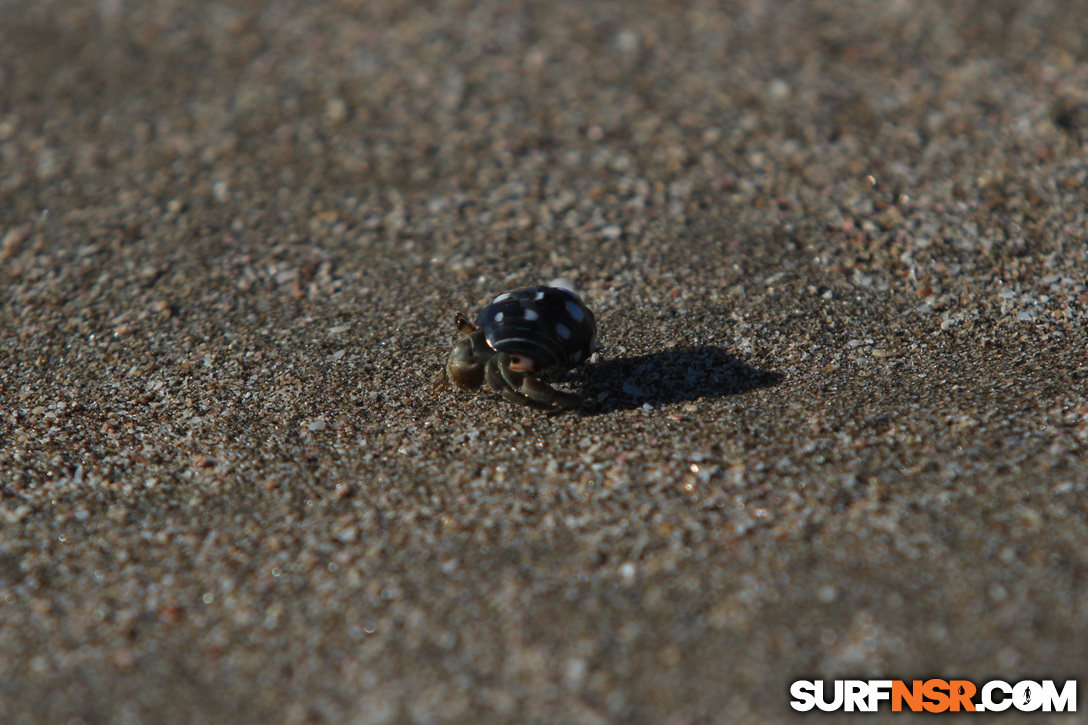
(547, 395)
(524, 389)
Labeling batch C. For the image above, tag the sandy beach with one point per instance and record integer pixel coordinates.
(837, 426)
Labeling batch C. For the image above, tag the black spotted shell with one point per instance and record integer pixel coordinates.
(550, 326)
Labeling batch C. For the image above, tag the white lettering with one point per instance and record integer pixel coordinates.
(879, 690)
(857, 692)
(834, 704)
(1027, 696)
(1066, 701)
(802, 692)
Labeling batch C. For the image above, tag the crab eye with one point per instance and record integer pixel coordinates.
(521, 364)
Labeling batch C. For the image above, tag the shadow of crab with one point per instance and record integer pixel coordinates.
(672, 376)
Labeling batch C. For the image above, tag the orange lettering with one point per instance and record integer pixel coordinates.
(912, 696)
(932, 690)
(961, 691)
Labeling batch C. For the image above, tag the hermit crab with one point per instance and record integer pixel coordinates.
(519, 335)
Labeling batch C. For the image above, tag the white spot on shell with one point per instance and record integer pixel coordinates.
(539, 296)
(575, 311)
(498, 317)
(562, 283)
(563, 331)
(502, 298)
(531, 315)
